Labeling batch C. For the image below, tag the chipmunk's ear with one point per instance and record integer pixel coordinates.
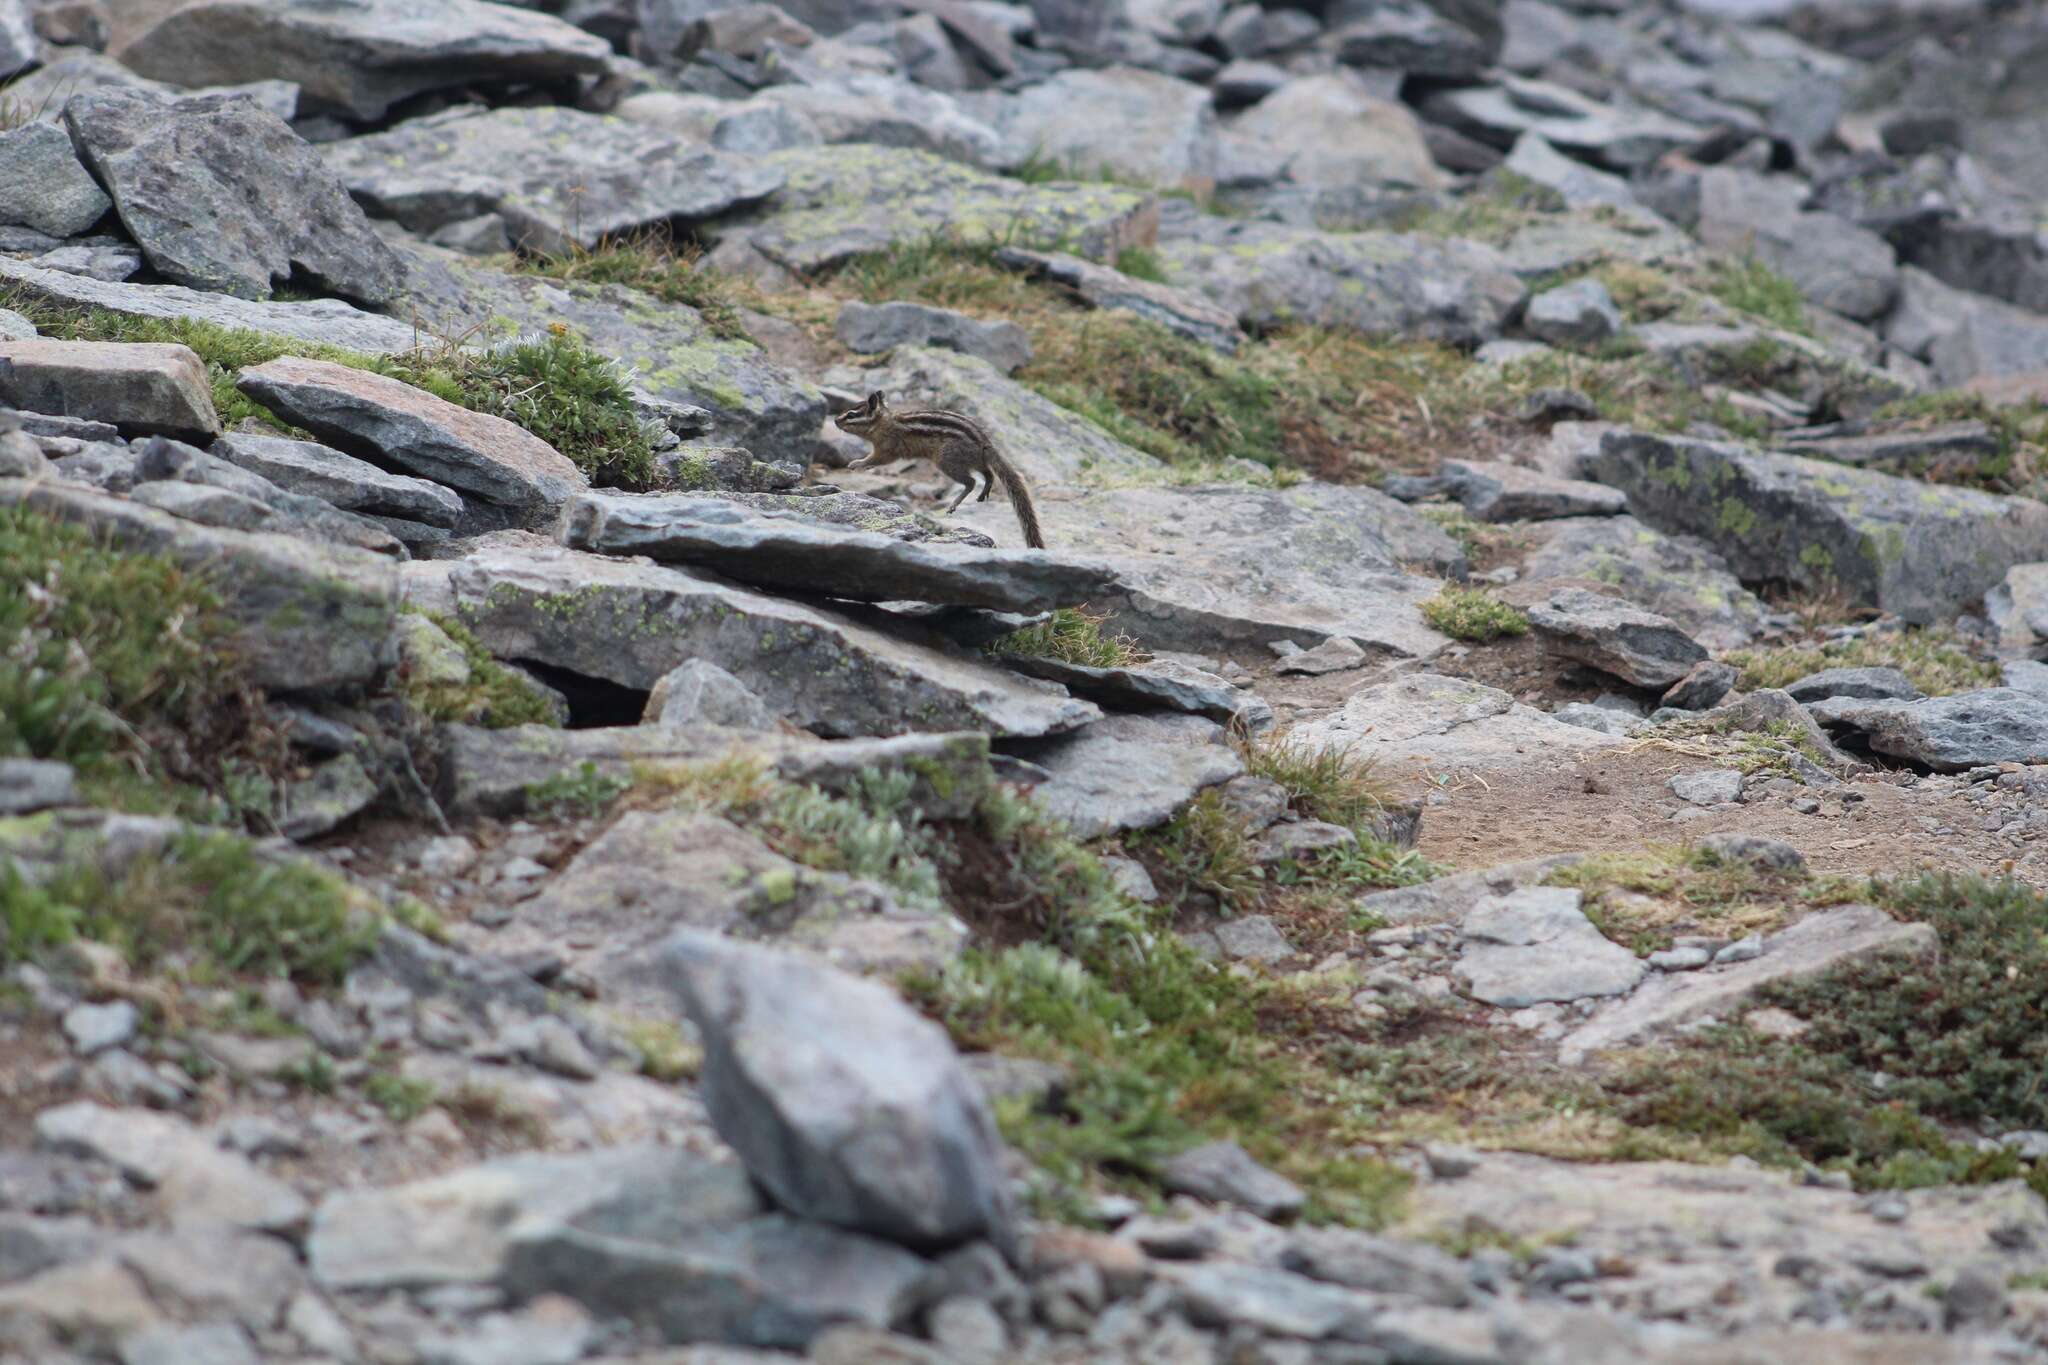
(875, 403)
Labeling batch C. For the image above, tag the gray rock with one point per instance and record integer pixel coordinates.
(126, 1079)
(1536, 944)
(18, 45)
(1224, 1173)
(1772, 855)
(164, 469)
(1619, 136)
(142, 387)
(889, 1136)
(15, 327)
(669, 351)
(319, 471)
(360, 57)
(28, 785)
(194, 1180)
(326, 798)
(1637, 646)
(1949, 449)
(1252, 938)
(328, 322)
(1589, 717)
(306, 616)
(1435, 288)
(1445, 723)
(523, 164)
(1179, 311)
(42, 186)
(1207, 565)
(839, 202)
(791, 554)
(702, 693)
(856, 107)
(211, 1343)
(879, 327)
(1334, 655)
(549, 1332)
(1920, 550)
(215, 1273)
(1414, 39)
(1327, 130)
(1158, 685)
(1496, 492)
(1836, 264)
(1817, 944)
(1707, 786)
(2024, 675)
(2018, 608)
(1950, 734)
(1380, 1265)
(1867, 684)
(1679, 577)
(516, 474)
(1272, 1301)
(251, 203)
(482, 1224)
(1989, 340)
(93, 1029)
(1131, 771)
(1771, 711)
(1243, 82)
(1708, 682)
(1580, 314)
(1579, 185)
(1137, 125)
(96, 259)
(1300, 840)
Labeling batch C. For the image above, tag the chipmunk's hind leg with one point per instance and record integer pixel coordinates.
(988, 484)
(966, 487)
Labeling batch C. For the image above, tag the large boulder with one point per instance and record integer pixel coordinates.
(1680, 577)
(1921, 550)
(1836, 264)
(1949, 734)
(1131, 772)
(1326, 130)
(1634, 645)
(844, 1103)
(1381, 283)
(308, 617)
(1135, 125)
(791, 555)
(222, 195)
(631, 623)
(559, 178)
(838, 202)
(327, 322)
(360, 57)
(514, 475)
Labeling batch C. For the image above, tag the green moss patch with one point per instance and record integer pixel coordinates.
(1072, 635)
(1469, 614)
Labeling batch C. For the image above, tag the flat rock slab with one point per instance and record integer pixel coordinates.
(307, 616)
(839, 202)
(354, 485)
(892, 1137)
(1430, 723)
(359, 57)
(1382, 283)
(793, 555)
(328, 322)
(633, 623)
(1636, 646)
(398, 426)
(668, 351)
(558, 177)
(1535, 945)
(1180, 311)
(493, 772)
(1948, 734)
(1157, 686)
(1491, 491)
(1680, 577)
(248, 204)
(1816, 944)
(144, 388)
(194, 1180)
(1131, 771)
(653, 872)
(1921, 550)
(857, 512)
(1864, 684)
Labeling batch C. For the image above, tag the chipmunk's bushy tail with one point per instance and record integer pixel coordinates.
(1020, 499)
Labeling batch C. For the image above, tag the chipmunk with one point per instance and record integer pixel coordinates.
(957, 444)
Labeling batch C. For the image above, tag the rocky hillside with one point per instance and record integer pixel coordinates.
(1506, 828)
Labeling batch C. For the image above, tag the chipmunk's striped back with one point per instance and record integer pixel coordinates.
(958, 444)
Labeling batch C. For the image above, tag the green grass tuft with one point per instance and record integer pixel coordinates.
(1141, 263)
(585, 793)
(1072, 636)
(402, 1098)
(653, 265)
(1932, 657)
(1469, 614)
(1747, 285)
